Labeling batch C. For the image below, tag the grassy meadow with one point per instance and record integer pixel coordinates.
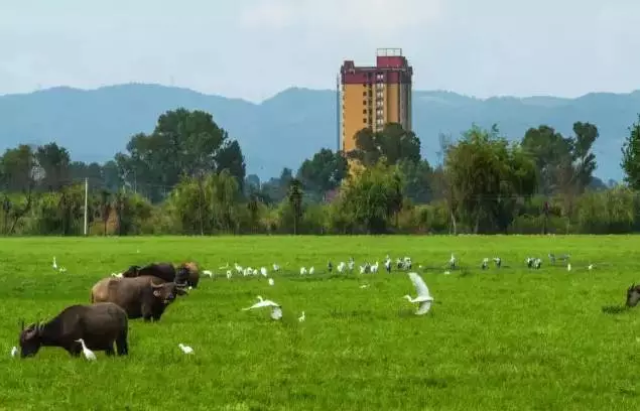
(501, 339)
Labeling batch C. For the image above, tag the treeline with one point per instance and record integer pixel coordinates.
(189, 177)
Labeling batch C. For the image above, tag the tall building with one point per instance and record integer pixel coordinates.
(371, 96)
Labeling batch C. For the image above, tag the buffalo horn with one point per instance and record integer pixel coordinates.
(154, 285)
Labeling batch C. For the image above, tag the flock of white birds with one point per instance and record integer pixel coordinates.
(423, 299)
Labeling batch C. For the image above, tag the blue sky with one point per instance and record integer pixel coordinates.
(255, 48)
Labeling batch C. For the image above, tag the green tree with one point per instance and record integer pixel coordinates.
(294, 198)
(19, 169)
(105, 208)
(565, 165)
(488, 176)
(370, 199)
(323, 172)
(392, 142)
(55, 163)
(418, 180)
(631, 156)
(183, 143)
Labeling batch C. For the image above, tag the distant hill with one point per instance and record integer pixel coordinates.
(292, 125)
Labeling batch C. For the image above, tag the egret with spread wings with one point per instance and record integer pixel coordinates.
(424, 298)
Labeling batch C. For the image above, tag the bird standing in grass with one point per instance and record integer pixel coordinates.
(185, 348)
(88, 354)
(301, 318)
(424, 298)
(14, 351)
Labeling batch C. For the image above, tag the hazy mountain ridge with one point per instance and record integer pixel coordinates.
(292, 125)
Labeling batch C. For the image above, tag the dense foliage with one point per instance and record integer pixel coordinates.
(188, 177)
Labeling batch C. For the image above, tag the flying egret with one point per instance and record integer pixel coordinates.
(424, 298)
(262, 303)
(271, 282)
(185, 348)
(301, 318)
(364, 286)
(207, 273)
(88, 354)
(14, 351)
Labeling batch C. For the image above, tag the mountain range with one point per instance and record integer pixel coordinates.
(284, 130)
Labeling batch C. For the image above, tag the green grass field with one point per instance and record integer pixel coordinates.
(508, 339)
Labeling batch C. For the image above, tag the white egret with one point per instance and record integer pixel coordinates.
(207, 273)
(88, 354)
(424, 298)
(271, 282)
(263, 271)
(303, 270)
(301, 318)
(311, 270)
(14, 351)
(185, 348)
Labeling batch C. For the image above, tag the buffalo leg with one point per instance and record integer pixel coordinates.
(121, 343)
(109, 350)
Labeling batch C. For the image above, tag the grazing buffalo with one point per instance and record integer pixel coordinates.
(633, 295)
(145, 296)
(99, 325)
(164, 271)
(188, 273)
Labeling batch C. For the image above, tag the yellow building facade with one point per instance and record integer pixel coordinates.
(372, 96)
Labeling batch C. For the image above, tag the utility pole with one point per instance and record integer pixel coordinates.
(86, 202)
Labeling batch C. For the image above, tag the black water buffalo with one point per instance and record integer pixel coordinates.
(145, 296)
(186, 273)
(164, 271)
(99, 325)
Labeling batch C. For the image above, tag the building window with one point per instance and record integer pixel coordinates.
(364, 93)
(364, 111)
(364, 120)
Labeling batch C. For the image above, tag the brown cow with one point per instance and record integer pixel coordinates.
(144, 296)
